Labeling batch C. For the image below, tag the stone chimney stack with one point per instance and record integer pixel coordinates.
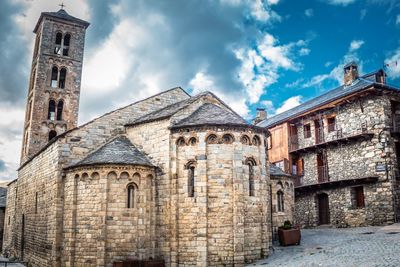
(350, 73)
(261, 115)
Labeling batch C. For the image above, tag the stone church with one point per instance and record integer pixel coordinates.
(174, 177)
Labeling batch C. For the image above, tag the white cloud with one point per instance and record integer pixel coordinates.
(341, 2)
(260, 67)
(304, 51)
(309, 12)
(289, 103)
(355, 45)
(393, 68)
(336, 74)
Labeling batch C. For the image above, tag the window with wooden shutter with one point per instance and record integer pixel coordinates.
(357, 197)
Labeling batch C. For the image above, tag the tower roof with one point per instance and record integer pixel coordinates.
(119, 151)
(63, 15)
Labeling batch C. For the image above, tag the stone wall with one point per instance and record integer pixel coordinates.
(98, 226)
(32, 201)
(377, 211)
(43, 174)
(351, 160)
(285, 184)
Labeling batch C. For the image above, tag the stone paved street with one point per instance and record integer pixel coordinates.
(358, 247)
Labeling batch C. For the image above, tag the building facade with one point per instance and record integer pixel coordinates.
(174, 177)
(343, 149)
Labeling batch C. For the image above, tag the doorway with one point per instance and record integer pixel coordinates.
(323, 209)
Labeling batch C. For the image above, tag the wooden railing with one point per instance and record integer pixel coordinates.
(293, 142)
(323, 175)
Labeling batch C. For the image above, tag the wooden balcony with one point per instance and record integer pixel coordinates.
(323, 175)
(304, 188)
(334, 140)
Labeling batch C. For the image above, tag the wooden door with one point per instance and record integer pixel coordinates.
(323, 209)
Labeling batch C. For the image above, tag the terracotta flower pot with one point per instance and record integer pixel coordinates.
(289, 237)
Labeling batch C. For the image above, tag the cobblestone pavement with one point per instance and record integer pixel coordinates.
(358, 247)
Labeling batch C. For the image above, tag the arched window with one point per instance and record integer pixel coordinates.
(54, 77)
(52, 134)
(281, 202)
(191, 170)
(63, 75)
(192, 141)
(250, 164)
(52, 110)
(181, 141)
(212, 139)
(131, 190)
(67, 39)
(57, 47)
(245, 140)
(60, 106)
(256, 140)
(227, 139)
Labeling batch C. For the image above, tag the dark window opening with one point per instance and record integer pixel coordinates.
(52, 110)
(191, 181)
(36, 202)
(58, 38)
(281, 201)
(307, 131)
(52, 134)
(212, 139)
(67, 38)
(181, 141)
(357, 197)
(331, 124)
(60, 110)
(251, 180)
(57, 48)
(131, 196)
(54, 77)
(227, 139)
(256, 140)
(63, 74)
(245, 140)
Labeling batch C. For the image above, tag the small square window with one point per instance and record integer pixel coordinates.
(331, 124)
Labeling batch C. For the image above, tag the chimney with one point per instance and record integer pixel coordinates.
(261, 115)
(350, 73)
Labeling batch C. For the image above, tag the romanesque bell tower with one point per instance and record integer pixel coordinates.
(55, 80)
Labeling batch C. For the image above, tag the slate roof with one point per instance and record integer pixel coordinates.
(276, 171)
(210, 114)
(339, 92)
(166, 112)
(61, 14)
(3, 197)
(118, 151)
(170, 110)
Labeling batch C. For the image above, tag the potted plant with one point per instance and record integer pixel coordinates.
(289, 234)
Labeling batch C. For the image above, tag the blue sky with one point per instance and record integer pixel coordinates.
(252, 53)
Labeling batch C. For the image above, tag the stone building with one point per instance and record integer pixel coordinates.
(343, 147)
(282, 198)
(175, 177)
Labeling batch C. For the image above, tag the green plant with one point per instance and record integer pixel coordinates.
(287, 225)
